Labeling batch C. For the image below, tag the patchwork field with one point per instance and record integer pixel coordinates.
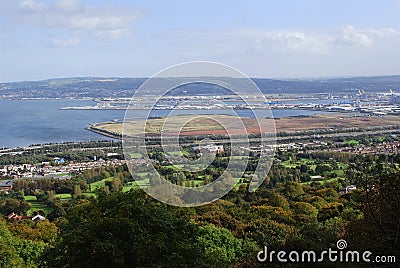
(36, 205)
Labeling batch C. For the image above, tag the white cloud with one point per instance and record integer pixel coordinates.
(296, 41)
(325, 42)
(346, 50)
(352, 36)
(75, 18)
(279, 42)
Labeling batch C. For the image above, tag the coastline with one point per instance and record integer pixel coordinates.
(93, 128)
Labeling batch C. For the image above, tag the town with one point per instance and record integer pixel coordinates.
(378, 104)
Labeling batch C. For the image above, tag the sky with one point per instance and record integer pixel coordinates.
(41, 39)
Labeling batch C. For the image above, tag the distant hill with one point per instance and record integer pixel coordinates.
(100, 87)
(79, 87)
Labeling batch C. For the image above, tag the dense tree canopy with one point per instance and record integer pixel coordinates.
(131, 230)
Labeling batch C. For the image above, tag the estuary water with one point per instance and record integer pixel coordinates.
(27, 122)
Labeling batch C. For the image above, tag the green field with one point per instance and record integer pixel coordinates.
(64, 197)
(184, 153)
(301, 161)
(99, 184)
(321, 181)
(90, 194)
(311, 164)
(30, 198)
(145, 183)
(135, 185)
(352, 142)
(36, 205)
(136, 155)
(178, 167)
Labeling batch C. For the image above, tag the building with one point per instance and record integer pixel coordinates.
(350, 188)
(6, 186)
(215, 149)
(14, 216)
(38, 217)
(58, 160)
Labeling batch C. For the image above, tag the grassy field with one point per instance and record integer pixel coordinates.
(203, 125)
(36, 205)
(64, 197)
(340, 170)
(302, 161)
(321, 181)
(145, 183)
(136, 155)
(188, 125)
(30, 198)
(177, 167)
(135, 185)
(352, 142)
(99, 184)
(184, 153)
(156, 125)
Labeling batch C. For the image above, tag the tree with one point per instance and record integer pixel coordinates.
(15, 252)
(10, 204)
(77, 190)
(278, 200)
(115, 185)
(305, 211)
(40, 231)
(329, 194)
(222, 249)
(330, 210)
(319, 169)
(9, 256)
(224, 184)
(293, 190)
(125, 230)
(378, 184)
(269, 232)
(303, 168)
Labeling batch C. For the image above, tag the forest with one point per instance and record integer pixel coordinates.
(115, 226)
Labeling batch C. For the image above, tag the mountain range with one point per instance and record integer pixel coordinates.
(100, 87)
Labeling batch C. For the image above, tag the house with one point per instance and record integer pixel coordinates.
(6, 186)
(350, 188)
(316, 178)
(13, 216)
(58, 160)
(38, 217)
(216, 149)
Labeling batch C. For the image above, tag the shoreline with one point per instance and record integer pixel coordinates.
(299, 133)
(109, 134)
(21, 150)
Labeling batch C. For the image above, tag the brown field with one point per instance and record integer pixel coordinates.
(223, 124)
(333, 121)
